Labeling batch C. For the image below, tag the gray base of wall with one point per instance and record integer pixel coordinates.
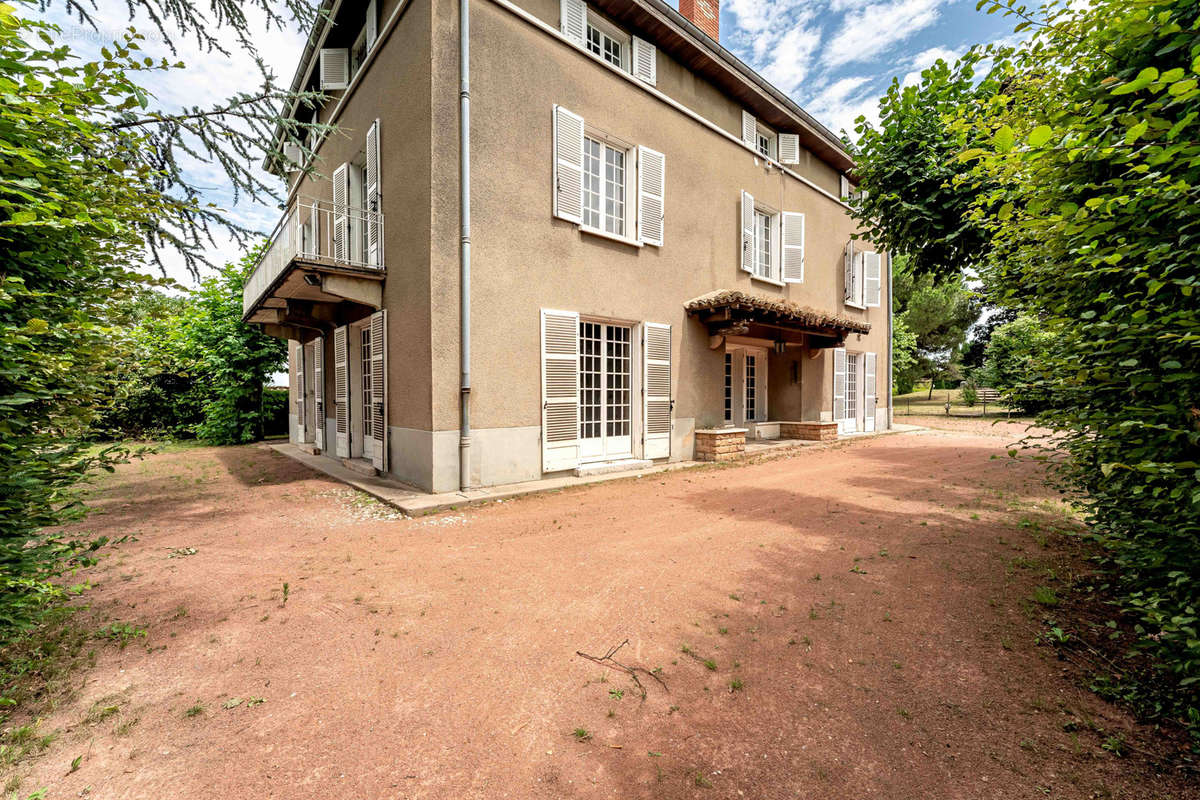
(429, 460)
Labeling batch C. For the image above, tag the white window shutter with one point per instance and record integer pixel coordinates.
(560, 390)
(379, 435)
(793, 247)
(839, 387)
(750, 130)
(568, 165)
(372, 24)
(656, 390)
(789, 148)
(872, 278)
(844, 186)
(652, 183)
(335, 68)
(301, 434)
(374, 228)
(645, 61)
(573, 20)
(869, 392)
(341, 391)
(341, 218)
(747, 232)
(319, 392)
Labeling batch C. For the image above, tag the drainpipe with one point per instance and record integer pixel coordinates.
(464, 269)
(891, 353)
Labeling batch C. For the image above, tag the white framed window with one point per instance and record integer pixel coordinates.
(765, 142)
(605, 185)
(607, 41)
(765, 264)
(358, 53)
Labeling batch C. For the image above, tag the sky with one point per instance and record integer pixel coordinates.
(833, 57)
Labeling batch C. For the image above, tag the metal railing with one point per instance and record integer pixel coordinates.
(318, 231)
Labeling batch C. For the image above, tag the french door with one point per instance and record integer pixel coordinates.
(605, 370)
(852, 398)
(365, 398)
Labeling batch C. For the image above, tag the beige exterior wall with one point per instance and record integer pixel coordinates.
(524, 260)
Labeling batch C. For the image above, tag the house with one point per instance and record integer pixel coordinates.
(636, 242)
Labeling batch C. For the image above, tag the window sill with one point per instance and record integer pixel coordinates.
(606, 235)
(848, 304)
(771, 281)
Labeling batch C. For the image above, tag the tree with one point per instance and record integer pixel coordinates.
(233, 360)
(913, 205)
(1017, 355)
(937, 313)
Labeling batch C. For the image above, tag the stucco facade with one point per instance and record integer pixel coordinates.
(525, 260)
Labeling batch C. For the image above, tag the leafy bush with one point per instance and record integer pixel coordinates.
(1015, 363)
(1073, 168)
(970, 393)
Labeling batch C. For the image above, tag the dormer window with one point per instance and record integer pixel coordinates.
(607, 42)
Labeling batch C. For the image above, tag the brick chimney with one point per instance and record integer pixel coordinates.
(704, 14)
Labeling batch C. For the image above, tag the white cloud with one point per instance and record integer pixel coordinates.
(926, 59)
(868, 31)
(840, 103)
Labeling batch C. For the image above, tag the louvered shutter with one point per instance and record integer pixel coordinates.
(750, 130)
(568, 165)
(341, 219)
(372, 24)
(747, 232)
(872, 274)
(300, 388)
(789, 148)
(573, 20)
(869, 392)
(335, 68)
(374, 255)
(319, 393)
(652, 182)
(341, 391)
(645, 61)
(656, 390)
(379, 437)
(792, 257)
(560, 390)
(839, 387)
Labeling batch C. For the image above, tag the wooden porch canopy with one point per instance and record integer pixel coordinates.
(732, 312)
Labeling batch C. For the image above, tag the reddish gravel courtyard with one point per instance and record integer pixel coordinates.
(863, 610)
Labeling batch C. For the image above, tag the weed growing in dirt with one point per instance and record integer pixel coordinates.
(195, 711)
(734, 597)
(120, 632)
(285, 586)
(722, 631)
(1045, 596)
(701, 781)
(75, 762)
(904, 713)
(616, 694)
(123, 727)
(735, 685)
(98, 713)
(581, 734)
(710, 665)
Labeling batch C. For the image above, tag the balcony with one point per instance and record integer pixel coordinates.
(323, 264)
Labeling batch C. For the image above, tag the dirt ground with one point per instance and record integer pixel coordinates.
(849, 622)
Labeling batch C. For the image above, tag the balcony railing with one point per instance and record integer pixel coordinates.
(321, 232)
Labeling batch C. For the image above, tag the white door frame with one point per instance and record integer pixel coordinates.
(361, 445)
(605, 447)
(739, 382)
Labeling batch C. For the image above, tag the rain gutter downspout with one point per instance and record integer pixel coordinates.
(464, 268)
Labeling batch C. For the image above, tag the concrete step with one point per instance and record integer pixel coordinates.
(604, 467)
(361, 466)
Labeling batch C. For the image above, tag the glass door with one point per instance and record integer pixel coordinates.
(605, 370)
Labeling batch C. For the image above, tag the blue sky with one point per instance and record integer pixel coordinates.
(834, 57)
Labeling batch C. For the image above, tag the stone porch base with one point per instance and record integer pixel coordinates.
(810, 431)
(720, 444)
